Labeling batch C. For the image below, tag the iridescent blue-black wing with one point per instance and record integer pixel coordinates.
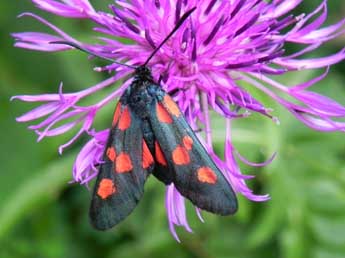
(186, 161)
(127, 164)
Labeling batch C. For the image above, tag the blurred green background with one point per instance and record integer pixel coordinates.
(42, 215)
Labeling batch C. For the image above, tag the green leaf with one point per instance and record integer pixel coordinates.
(319, 252)
(41, 188)
(327, 230)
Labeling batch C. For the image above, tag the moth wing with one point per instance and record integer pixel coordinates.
(127, 164)
(195, 174)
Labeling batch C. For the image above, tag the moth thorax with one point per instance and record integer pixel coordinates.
(140, 102)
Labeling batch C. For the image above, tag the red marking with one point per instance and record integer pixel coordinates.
(159, 155)
(106, 188)
(171, 106)
(207, 175)
(123, 163)
(162, 114)
(117, 114)
(187, 142)
(125, 120)
(147, 156)
(111, 154)
(180, 156)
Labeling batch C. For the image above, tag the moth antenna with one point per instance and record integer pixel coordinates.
(76, 46)
(178, 24)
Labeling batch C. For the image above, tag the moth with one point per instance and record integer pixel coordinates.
(150, 135)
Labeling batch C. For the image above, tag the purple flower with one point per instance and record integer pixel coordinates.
(222, 45)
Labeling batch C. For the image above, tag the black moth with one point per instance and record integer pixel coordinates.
(149, 134)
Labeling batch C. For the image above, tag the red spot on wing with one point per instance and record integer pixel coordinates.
(123, 163)
(125, 120)
(171, 105)
(187, 142)
(206, 175)
(147, 156)
(159, 155)
(162, 114)
(180, 156)
(106, 188)
(117, 114)
(111, 154)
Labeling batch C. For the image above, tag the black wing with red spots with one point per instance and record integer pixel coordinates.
(127, 164)
(186, 161)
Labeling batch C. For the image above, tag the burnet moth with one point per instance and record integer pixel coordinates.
(149, 134)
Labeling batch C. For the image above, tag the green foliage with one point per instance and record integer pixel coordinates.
(42, 215)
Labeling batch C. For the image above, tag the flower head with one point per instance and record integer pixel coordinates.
(220, 46)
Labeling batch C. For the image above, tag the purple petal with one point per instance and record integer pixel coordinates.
(89, 156)
(254, 164)
(72, 8)
(311, 63)
(319, 103)
(282, 8)
(38, 41)
(38, 112)
(37, 98)
(63, 35)
(88, 120)
(317, 123)
(176, 210)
